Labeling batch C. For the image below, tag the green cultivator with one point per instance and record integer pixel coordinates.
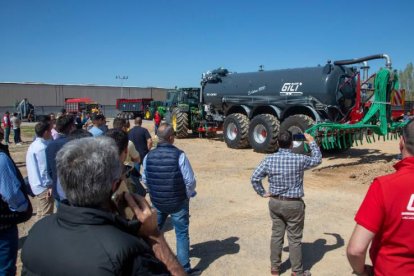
(375, 123)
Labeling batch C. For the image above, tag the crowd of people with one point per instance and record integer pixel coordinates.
(90, 183)
(12, 122)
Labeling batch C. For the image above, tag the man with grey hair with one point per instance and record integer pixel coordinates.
(171, 183)
(87, 234)
(385, 219)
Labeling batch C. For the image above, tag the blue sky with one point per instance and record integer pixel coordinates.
(171, 43)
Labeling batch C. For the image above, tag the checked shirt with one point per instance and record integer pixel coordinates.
(285, 171)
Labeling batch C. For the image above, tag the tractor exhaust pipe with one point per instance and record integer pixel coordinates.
(388, 63)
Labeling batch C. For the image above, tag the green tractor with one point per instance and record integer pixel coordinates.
(185, 112)
(163, 107)
(151, 108)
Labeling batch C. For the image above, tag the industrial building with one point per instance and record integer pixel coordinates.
(49, 98)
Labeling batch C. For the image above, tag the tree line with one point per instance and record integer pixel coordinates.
(407, 81)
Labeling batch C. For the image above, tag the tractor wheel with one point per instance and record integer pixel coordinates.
(235, 131)
(180, 123)
(263, 131)
(297, 124)
(147, 115)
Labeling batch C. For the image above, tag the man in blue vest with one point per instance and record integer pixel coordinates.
(171, 183)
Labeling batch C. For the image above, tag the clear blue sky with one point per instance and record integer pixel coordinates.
(172, 42)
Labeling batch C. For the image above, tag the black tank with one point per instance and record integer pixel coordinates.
(330, 84)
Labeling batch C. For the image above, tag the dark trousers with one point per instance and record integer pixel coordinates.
(287, 216)
(7, 135)
(9, 240)
(17, 135)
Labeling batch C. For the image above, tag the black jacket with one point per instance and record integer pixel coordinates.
(86, 241)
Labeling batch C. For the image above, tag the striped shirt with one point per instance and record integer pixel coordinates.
(284, 170)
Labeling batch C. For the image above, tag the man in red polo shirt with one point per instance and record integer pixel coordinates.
(385, 219)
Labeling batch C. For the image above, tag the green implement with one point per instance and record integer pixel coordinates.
(377, 119)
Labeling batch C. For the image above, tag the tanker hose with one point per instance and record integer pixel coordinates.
(359, 60)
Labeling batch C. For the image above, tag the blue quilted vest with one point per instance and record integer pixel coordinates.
(164, 179)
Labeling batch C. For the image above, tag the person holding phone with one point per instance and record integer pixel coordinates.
(285, 170)
(87, 236)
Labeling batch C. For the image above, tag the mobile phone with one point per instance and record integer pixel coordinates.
(299, 137)
(120, 202)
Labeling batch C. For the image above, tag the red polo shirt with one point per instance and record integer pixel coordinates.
(388, 211)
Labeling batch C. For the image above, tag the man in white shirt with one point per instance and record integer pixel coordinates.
(39, 179)
(15, 121)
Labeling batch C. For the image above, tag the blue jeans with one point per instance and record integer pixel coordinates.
(181, 222)
(9, 241)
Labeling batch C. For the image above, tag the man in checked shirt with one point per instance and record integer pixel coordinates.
(284, 170)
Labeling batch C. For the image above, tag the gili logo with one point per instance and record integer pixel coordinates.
(291, 89)
(410, 206)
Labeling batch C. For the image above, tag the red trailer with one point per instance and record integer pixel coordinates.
(75, 105)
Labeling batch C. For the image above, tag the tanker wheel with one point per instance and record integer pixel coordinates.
(179, 122)
(235, 131)
(297, 124)
(263, 131)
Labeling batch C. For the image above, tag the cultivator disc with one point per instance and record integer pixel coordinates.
(375, 124)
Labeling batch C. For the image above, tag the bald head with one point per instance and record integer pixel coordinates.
(165, 133)
(408, 136)
(138, 121)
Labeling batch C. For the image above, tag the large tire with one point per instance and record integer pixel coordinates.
(263, 131)
(236, 128)
(180, 123)
(147, 114)
(297, 124)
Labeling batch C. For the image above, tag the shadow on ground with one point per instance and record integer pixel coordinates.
(314, 252)
(210, 251)
(359, 157)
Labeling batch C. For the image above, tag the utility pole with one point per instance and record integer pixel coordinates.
(122, 78)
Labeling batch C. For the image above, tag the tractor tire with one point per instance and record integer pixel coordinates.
(147, 114)
(236, 129)
(297, 124)
(263, 131)
(180, 123)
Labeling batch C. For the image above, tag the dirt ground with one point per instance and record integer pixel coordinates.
(230, 225)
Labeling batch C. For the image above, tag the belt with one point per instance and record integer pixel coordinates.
(286, 198)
